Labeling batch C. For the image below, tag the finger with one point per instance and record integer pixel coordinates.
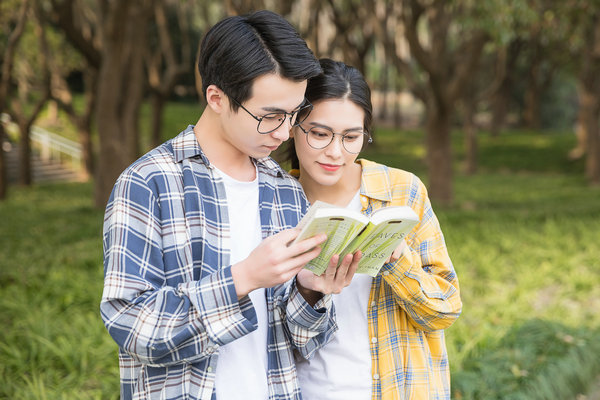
(354, 266)
(342, 270)
(286, 235)
(332, 266)
(293, 266)
(306, 244)
(298, 262)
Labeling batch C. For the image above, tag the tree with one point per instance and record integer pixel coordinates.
(163, 65)
(33, 86)
(16, 24)
(112, 36)
(589, 93)
(448, 54)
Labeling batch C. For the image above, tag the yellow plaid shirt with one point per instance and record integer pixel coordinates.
(412, 300)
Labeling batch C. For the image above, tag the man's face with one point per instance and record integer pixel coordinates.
(270, 94)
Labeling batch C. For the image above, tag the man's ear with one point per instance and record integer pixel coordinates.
(216, 99)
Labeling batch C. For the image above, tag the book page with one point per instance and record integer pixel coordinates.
(379, 240)
(340, 232)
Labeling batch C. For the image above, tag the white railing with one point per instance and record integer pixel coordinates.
(50, 145)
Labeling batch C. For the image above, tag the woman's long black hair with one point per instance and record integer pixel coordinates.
(338, 81)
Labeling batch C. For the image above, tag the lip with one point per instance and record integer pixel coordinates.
(329, 167)
(272, 148)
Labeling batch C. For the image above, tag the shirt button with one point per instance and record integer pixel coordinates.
(373, 340)
(209, 369)
(373, 304)
(386, 273)
(376, 376)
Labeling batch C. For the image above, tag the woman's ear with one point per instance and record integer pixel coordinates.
(216, 99)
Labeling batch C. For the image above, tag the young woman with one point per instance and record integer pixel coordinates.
(390, 342)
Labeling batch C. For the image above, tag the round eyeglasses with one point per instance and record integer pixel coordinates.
(319, 137)
(272, 121)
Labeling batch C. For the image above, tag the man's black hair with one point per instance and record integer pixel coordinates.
(239, 49)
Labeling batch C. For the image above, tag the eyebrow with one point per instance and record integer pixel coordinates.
(279, 110)
(318, 125)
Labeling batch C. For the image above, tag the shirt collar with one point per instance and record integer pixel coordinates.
(375, 182)
(186, 146)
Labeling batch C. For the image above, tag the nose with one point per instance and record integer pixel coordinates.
(336, 147)
(283, 132)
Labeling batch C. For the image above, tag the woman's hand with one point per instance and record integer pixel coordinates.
(333, 280)
(395, 256)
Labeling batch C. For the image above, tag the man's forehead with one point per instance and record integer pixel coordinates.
(272, 92)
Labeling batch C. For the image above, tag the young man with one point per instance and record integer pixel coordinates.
(198, 227)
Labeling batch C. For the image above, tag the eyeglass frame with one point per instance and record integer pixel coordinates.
(343, 135)
(305, 105)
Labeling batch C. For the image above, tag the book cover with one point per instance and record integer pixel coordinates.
(348, 231)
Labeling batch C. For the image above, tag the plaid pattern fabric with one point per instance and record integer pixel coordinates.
(411, 300)
(169, 300)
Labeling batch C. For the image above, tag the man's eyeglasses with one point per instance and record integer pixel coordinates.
(272, 121)
(319, 137)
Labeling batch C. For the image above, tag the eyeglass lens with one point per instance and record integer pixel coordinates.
(271, 121)
(319, 138)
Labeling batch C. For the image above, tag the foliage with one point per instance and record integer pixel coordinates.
(522, 236)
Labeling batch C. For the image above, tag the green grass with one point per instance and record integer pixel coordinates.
(523, 236)
(53, 344)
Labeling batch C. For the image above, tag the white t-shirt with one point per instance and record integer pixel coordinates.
(242, 366)
(341, 370)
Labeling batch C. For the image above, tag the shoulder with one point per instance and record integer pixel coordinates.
(400, 185)
(373, 171)
(157, 161)
(150, 174)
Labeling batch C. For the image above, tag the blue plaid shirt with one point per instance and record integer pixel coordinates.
(169, 300)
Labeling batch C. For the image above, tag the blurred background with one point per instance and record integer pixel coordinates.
(494, 104)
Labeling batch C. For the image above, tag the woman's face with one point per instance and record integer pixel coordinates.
(326, 166)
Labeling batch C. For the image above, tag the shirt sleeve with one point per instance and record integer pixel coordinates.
(309, 327)
(155, 323)
(423, 279)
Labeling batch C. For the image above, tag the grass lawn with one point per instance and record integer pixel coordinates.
(523, 236)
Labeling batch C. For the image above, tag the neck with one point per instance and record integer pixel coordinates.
(338, 194)
(222, 153)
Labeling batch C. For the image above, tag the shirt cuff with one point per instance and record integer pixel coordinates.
(300, 313)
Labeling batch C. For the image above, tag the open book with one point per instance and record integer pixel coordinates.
(348, 231)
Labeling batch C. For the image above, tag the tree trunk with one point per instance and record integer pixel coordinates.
(500, 101)
(471, 148)
(6, 70)
(439, 155)
(590, 99)
(158, 103)
(87, 157)
(24, 154)
(3, 173)
(397, 107)
(383, 107)
(589, 117)
(531, 114)
(120, 92)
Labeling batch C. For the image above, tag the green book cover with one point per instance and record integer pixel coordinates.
(349, 230)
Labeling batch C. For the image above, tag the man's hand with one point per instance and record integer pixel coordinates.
(333, 280)
(273, 262)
